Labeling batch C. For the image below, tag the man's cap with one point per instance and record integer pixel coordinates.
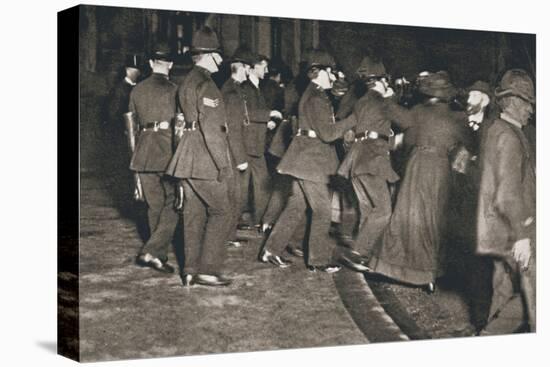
(133, 61)
(516, 82)
(162, 52)
(243, 55)
(480, 86)
(371, 68)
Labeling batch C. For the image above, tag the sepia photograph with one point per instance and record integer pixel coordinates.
(261, 183)
(251, 183)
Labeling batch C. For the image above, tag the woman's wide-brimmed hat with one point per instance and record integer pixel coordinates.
(437, 85)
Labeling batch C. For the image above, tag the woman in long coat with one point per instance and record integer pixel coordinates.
(409, 250)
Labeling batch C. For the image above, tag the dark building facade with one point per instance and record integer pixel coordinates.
(109, 34)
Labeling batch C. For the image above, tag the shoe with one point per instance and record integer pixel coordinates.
(211, 280)
(294, 251)
(355, 261)
(268, 257)
(330, 268)
(266, 228)
(236, 244)
(148, 260)
(430, 288)
(187, 279)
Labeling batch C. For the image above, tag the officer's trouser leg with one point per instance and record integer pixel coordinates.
(245, 178)
(194, 218)
(506, 315)
(374, 200)
(349, 214)
(320, 245)
(260, 186)
(154, 197)
(160, 198)
(216, 229)
(297, 239)
(293, 215)
(236, 203)
(279, 196)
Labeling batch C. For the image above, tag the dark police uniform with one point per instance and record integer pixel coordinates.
(311, 159)
(202, 160)
(153, 102)
(255, 131)
(368, 164)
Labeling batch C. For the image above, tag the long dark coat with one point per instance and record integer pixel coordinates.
(258, 116)
(236, 119)
(203, 153)
(409, 249)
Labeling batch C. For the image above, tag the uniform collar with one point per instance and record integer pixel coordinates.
(160, 75)
(504, 116)
(203, 70)
(317, 88)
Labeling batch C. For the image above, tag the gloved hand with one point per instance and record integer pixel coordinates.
(180, 197)
(271, 125)
(521, 252)
(243, 166)
(224, 174)
(138, 188)
(398, 140)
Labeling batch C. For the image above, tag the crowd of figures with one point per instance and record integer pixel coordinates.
(398, 171)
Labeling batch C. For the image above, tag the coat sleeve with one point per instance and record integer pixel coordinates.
(399, 115)
(508, 173)
(233, 103)
(187, 98)
(320, 114)
(210, 126)
(132, 104)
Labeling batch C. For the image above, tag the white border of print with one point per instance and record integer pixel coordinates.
(28, 270)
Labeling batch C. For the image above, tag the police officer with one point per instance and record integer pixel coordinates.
(506, 212)
(368, 161)
(255, 130)
(202, 161)
(237, 120)
(311, 159)
(153, 105)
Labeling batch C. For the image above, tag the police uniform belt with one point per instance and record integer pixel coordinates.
(190, 126)
(306, 132)
(372, 135)
(156, 126)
